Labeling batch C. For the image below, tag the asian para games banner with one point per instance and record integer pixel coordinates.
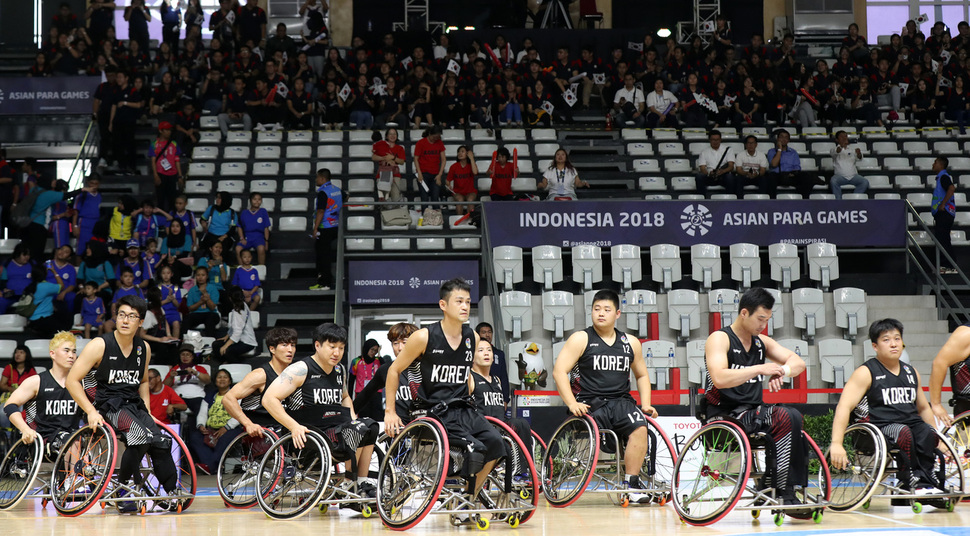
(406, 282)
(845, 223)
(58, 94)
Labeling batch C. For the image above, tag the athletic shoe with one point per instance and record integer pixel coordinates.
(635, 497)
(319, 287)
(367, 490)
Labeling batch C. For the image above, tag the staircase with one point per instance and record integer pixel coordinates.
(923, 336)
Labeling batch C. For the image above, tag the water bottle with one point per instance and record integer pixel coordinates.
(720, 302)
(670, 355)
(798, 351)
(649, 353)
(737, 297)
(623, 304)
(640, 299)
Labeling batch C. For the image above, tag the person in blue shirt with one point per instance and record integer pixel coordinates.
(43, 322)
(326, 219)
(36, 233)
(785, 168)
(944, 211)
(187, 217)
(217, 222)
(171, 297)
(151, 255)
(254, 229)
(87, 212)
(92, 310)
(134, 262)
(60, 267)
(60, 223)
(247, 279)
(96, 269)
(15, 276)
(176, 245)
(216, 264)
(203, 300)
(149, 222)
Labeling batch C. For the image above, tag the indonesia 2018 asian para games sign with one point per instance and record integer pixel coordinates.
(845, 223)
(40, 95)
(406, 282)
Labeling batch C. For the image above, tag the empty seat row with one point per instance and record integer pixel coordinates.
(308, 136)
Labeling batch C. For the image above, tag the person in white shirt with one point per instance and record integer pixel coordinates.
(561, 179)
(843, 161)
(628, 103)
(662, 106)
(716, 165)
(751, 166)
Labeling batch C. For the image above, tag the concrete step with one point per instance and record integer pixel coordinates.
(903, 314)
(894, 302)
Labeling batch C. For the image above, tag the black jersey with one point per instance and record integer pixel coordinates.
(891, 398)
(252, 404)
(119, 376)
(749, 393)
(604, 369)
(318, 401)
(52, 410)
(488, 396)
(407, 390)
(444, 370)
(960, 377)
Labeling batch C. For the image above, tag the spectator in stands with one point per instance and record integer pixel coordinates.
(361, 104)
(834, 104)
(502, 170)
(170, 297)
(15, 276)
(203, 303)
(164, 96)
(461, 179)
(150, 222)
(510, 104)
(36, 232)
(125, 111)
(785, 168)
(692, 114)
(64, 302)
(389, 156)
(316, 38)
(923, 105)
(103, 101)
(332, 107)
(750, 166)
(251, 24)
(96, 269)
(747, 106)
(41, 68)
(299, 104)
(362, 370)
(188, 378)
(187, 125)
(213, 93)
(246, 278)
(864, 104)
(855, 43)
(628, 103)
(944, 211)
(806, 100)
(885, 87)
(240, 339)
(499, 364)
(156, 330)
(140, 270)
(561, 179)
(100, 17)
(429, 152)
(171, 23)
(164, 401)
(237, 108)
(716, 167)
(217, 222)
(14, 374)
(957, 102)
(193, 17)
(265, 106)
(166, 165)
(844, 160)
(60, 213)
(44, 322)
(662, 106)
(326, 222)
(8, 189)
(253, 228)
(215, 429)
(93, 311)
(281, 42)
(138, 15)
(218, 271)
(480, 105)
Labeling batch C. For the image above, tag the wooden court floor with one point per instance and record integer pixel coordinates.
(589, 516)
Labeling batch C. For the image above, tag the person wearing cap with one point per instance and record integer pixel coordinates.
(36, 233)
(166, 167)
(188, 379)
(136, 263)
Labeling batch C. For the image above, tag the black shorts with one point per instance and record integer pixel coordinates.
(53, 443)
(134, 426)
(345, 438)
(621, 415)
(465, 424)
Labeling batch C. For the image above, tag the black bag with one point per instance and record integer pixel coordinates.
(20, 215)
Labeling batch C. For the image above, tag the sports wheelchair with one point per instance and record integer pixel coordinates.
(84, 474)
(236, 474)
(581, 457)
(959, 433)
(20, 475)
(874, 464)
(420, 474)
(722, 468)
(290, 481)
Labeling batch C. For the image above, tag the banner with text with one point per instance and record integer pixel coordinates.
(406, 282)
(57, 94)
(845, 223)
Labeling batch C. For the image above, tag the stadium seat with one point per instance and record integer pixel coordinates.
(724, 197)
(694, 133)
(547, 265)
(239, 136)
(507, 261)
(777, 319)
(826, 197)
(7, 245)
(677, 165)
(638, 304)
(335, 136)
(360, 151)
(671, 148)
(634, 134)
(757, 197)
(430, 244)
(665, 265)
(683, 184)
(197, 205)
(723, 301)
(202, 169)
(235, 152)
(232, 186)
(359, 244)
(12, 323)
(789, 197)
(293, 223)
(266, 169)
(850, 310)
(659, 357)
(292, 186)
(209, 122)
(39, 348)
(959, 238)
(626, 265)
(649, 184)
(466, 244)
(453, 134)
(785, 267)
(926, 162)
(646, 165)
(295, 204)
(360, 136)
(210, 136)
(365, 186)
(269, 137)
(205, 152)
(891, 148)
(868, 164)
(948, 147)
(396, 244)
(360, 168)
(557, 313)
(269, 203)
(745, 264)
(705, 262)
(683, 312)
(878, 182)
(233, 169)
(836, 361)
(808, 306)
(958, 163)
(922, 238)
(900, 163)
(546, 150)
(875, 132)
(197, 187)
(298, 152)
(516, 307)
(814, 132)
(962, 219)
(482, 134)
(263, 186)
(823, 263)
(639, 149)
(237, 371)
(758, 132)
(911, 148)
(658, 197)
(587, 265)
(296, 169)
(855, 197)
(544, 134)
(908, 182)
(330, 152)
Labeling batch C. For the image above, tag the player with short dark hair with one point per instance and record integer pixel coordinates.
(244, 402)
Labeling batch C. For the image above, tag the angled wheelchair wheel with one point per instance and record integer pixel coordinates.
(711, 473)
(83, 469)
(538, 450)
(514, 482)
(412, 474)
(657, 472)
(819, 489)
(570, 460)
(866, 449)
(949, 466)
(959, 435)
(186, 479)
(19, 470)
(289, 480)
(237, 468)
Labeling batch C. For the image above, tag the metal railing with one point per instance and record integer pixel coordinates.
(949, 305)
(87, 151)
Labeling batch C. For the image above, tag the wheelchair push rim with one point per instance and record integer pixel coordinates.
(412, 474)
(19, 470)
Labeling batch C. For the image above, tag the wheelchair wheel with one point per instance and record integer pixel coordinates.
(711, 473)
(819, 489)
(949, 467)
(18, 471)
(514, 482)
(186, 480)
(867, 452)
(237, 469)
(538, 449)
(657, 471)
(83, 469)
(291, 480)
(412, 474)
(959, 435)
(570, 460)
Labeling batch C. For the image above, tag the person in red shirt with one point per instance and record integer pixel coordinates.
(163, 400)
(389, 155)
(502, 171)
(430, 155)
(461, 178)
